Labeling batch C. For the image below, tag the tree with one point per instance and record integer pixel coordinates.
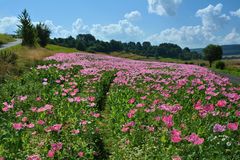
(80, 45)
(213, 53)
(186, 50)
(116, 45)
(43, 33)
(26, 30)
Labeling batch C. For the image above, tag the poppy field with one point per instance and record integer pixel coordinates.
(91, 106)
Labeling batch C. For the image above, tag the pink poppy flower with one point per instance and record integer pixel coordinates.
(219, 128)
(31, 125)
(91, 99)
(232, 126)
(83, 122)
(130, 124)
(125, 129)
(18, 114)
(92, 104)
(17, 126)
(156, 101)
(22, 98)
(131, 101)
(175, 136)
(51, 154)
(38, 99)
(158, 118)
(140, 105)
(70, 100)
(75, 131)
(48, 107)
(56, 146)
(81, 154)
(237, 113)
(168, 120)
(198, 105)
(56, 127)
(150, 128)
(24, 119)
(221, 103)
(96, 115)
(195, 139)
(34, 109)
(144, 97)
(5, 109)
(131, 113)
(40, 122)
(176, 158)
(33, 157)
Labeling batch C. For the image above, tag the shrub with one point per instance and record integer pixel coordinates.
(8, 57)
(188, 63)
(220, 65)
(202, 64)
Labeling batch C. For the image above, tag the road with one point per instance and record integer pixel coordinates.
(4, 46)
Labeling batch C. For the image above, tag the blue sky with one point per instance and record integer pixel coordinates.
(192, 23)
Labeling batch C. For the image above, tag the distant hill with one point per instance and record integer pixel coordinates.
(228, 50)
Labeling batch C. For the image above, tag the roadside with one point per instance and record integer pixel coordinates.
(232, 78)
(11, 44)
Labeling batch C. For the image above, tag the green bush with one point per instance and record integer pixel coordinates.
(220, 65)
(188, 62)
(8, 57)
(202, 64)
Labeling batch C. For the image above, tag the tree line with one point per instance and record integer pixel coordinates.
(33, 36)
(87, 42)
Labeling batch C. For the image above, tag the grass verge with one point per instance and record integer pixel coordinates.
(4, 38)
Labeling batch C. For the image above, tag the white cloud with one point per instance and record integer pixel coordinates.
(200, 35)
(232, 37)
(212, 17)
(191, 36)
(8, 24)
(57, 30)
(123, 30)
(235, 13)
(163, 7)
(132, 15)
(79, 27)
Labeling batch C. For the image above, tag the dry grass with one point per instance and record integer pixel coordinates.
(28, 57)
(26, 54)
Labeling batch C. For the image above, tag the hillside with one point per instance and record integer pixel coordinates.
(21, 58)
(5, 39)
(228, 50)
